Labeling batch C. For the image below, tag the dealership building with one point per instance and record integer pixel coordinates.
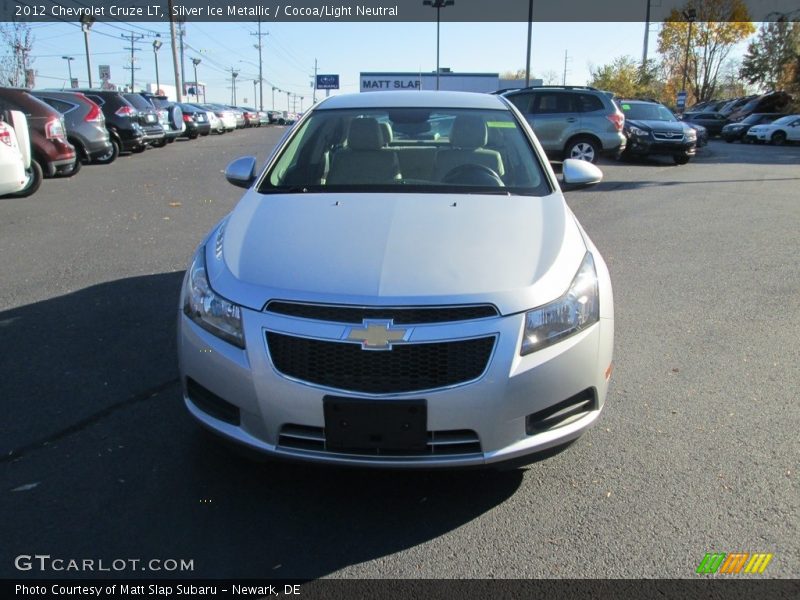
(459, 82)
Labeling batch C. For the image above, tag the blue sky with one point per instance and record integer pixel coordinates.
(343, 48)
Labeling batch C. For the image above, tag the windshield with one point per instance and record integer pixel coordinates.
(408, 150)
(647, 112)
(138, 102)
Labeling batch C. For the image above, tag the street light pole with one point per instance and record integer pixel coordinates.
(156, 46)
(86, 25)
(438, 5)
(69, 60)
(273, 96)
(195, 62)
(690, 15)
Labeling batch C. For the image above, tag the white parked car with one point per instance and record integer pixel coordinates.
(785, 129)
(382, 296)
(17, 175)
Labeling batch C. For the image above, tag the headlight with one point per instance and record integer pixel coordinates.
(690, 134)
(574, 311)
(210, 311)
(639, 132)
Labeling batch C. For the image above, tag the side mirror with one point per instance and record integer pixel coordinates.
(579, 173)
(242, 171)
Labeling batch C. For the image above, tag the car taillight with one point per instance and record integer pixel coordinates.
(187, 117)
(618, 119)
(53, 130)
(94, 114)
(125, 111)
(5, 134)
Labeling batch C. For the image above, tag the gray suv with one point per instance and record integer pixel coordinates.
(572, 121)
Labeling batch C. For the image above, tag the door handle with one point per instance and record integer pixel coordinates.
(571, 119)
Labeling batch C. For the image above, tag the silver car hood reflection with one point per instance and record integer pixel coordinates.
(401, 248)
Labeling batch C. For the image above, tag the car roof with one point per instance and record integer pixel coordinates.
(412, 99)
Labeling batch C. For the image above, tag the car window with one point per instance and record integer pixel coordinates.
(421, 150)
(59, 105)
(552, 103)
(96, 99)
(139, 103)
(521, 101)
(589, 103)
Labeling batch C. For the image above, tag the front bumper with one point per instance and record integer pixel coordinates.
(641, 146)
(494, 408)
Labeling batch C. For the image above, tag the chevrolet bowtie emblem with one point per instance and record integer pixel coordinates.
(377, 334)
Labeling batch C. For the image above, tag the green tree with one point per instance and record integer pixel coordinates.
(770, 56)
(697, 49)
(627, 79)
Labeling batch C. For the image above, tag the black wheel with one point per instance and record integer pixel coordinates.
(582, 148)
(160, 143)
(473, 174)
(729, 140)
(205, 134)
(109, 156)
(681, 159)
(193, 136)
(170, 140)
(139, 149)
(35, 176)
(778, 138)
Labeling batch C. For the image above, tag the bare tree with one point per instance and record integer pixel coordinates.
(16, 41)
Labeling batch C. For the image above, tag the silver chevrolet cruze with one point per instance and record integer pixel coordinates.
(403, 285)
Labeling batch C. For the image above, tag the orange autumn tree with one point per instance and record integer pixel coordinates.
(718, 25)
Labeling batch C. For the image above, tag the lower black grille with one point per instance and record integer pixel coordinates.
(400, 316)
(212, 404)
(563, 413)
(440, 443)
(405, 368)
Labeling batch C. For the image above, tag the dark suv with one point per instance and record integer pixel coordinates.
(122, 121)
(652, 129)
(86, 125)
(51, 150)
(154, 134)
(170, 116)
(572, 121)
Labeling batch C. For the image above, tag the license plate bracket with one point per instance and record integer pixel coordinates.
(363, 424)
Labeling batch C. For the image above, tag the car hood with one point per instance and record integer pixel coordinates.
(657, 125)
(516, 252)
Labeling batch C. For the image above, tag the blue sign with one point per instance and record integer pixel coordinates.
(327, 82)
(681, 103)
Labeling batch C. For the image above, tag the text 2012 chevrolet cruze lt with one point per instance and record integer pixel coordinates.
(403, 285)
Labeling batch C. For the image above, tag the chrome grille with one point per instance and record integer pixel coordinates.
(400, 315)
(668, 136)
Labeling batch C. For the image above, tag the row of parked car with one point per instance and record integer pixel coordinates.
(756, 118)
(51, 133)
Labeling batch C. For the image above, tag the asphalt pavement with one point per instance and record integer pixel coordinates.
(696, 450)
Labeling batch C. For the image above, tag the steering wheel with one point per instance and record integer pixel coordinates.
(473, 174)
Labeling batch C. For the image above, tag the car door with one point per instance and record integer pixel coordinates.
(555, 118)
(793, 131)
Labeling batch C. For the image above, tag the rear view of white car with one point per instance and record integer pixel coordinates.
(16, 175)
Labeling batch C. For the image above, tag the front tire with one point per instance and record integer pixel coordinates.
(582, 148)
(681, 159)
(778, 138)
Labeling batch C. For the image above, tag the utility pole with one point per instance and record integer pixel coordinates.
(566, 58)
(178, 80)
(646, 37)
(438, 5)
(234, 75)
(273, 96)
(690, 14)
(259, 46)
(182, 23)
(86, 24)
(288, 108)
(134, 38)
(314, 85)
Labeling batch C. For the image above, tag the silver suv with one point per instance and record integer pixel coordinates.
(572, 121)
